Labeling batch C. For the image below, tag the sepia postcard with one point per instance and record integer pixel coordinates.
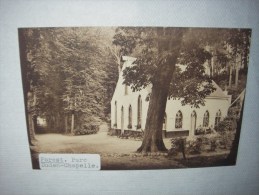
(130, 98)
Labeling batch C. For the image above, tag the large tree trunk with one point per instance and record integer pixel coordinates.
(230, 76)
(245, 53)
(210, 68)
(35, 124)
(66, 124)
(72, 122)
(31, 102)
(153, 141)
(168, 41)
(31, 126)
(237, 71)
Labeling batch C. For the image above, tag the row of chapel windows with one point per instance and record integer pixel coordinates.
(205, 122)
(139, 114)
(178, 117)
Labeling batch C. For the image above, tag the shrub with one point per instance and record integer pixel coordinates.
(203, 130)
(200, 131)
(213, 141)
(176, 143)
(87, 129)
(227, 124)
(234, 112)
(226, 129)
(213, 145)
(226, 139)
(194, 145)
(136, 135)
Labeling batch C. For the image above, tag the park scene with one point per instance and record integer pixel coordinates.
(141, 97)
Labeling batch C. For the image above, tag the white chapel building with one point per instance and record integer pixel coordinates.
(129, 109)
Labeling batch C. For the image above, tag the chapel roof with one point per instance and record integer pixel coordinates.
(218, 92)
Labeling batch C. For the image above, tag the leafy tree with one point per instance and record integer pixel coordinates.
(109, 83)
(237, 45)
(30, 79)
(66, 71)
(158, 50)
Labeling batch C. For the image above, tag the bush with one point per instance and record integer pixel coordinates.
(199, 131)
(226, 139)
(136, 135)
(203, 130)
(87, 129)
(213, 141)
(227, 124)
(226, 129)
(194, 145)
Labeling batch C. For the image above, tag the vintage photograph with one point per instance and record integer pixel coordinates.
(140, 97)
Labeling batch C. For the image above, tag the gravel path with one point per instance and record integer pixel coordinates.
(96, 143)
(115, 153)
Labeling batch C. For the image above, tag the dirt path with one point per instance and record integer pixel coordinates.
(96, 143)
(115, 153)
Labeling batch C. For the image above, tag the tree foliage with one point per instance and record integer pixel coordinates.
(66, 70)
(190, 84)
(199, 46)
(173, 61)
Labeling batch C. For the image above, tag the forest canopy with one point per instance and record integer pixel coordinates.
(68, 71)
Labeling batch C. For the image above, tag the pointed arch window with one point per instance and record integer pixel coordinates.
(130, 117)
(179, 120)
(206, 119)
(122, 119)
(115, 114)
(165, 121)
(217, 118)
(139, 119)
